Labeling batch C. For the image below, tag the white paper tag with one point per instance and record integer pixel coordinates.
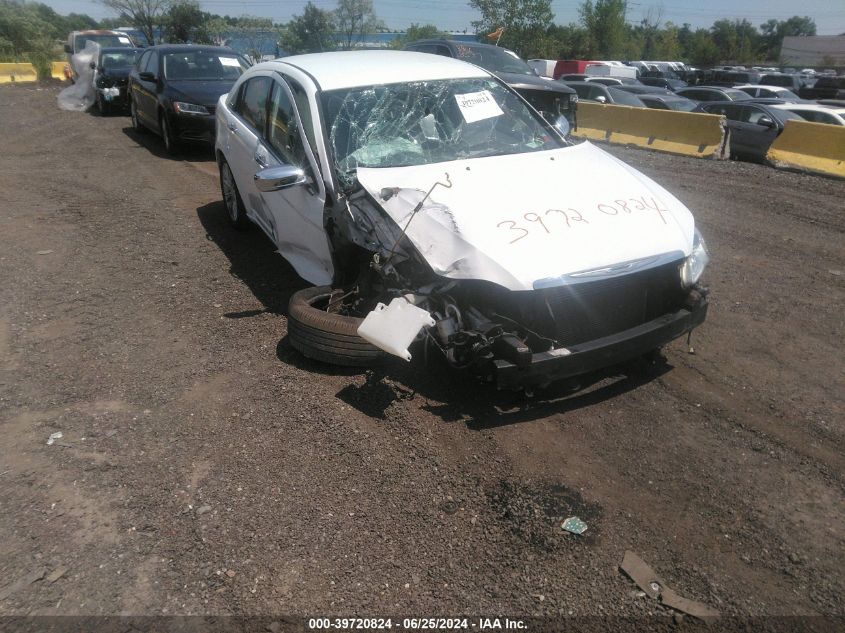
(476, 106)
(123, 40)
(230, 61)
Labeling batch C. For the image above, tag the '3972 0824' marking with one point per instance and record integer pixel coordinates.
(553, 219)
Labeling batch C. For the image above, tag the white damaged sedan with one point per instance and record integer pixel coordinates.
(429, 204)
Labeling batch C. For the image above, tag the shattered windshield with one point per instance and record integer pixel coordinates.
(424, 122)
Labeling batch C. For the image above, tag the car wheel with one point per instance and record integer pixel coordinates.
(170, 143)
(102, 106)
(232, 198)
(326, 336)
(136, 122)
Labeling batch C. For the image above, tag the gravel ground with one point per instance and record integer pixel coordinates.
(207, 468)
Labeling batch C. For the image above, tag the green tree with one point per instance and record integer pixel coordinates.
(525, 23)
(417, 32)
(773, 32)
(145, 15)
(310, 32)
(605, 23)
(185, 22)
(354, 20)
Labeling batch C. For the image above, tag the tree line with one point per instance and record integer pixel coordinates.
(32, 31)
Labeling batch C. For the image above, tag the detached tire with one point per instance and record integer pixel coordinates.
(326, 336)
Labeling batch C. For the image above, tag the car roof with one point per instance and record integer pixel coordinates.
(810, 106)
(176, 48)
(351, 69)
(442, 40)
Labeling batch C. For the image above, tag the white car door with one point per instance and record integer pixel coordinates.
(295, 213)
(245, 127)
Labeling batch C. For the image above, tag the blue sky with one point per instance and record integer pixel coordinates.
(456, 14)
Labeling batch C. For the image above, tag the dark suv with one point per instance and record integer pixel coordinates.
(550, 98)
(825, 88)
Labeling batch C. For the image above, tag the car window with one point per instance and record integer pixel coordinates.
(203, 65)
(815, 116)
(595, 92)
(426, 122)
(143, 61)
(283, 133)
(252, 105)
(736, 95)
(762, 92)
(423, 48)
(304, 108)
(732, 112)
(654, 103)
(492, 58)
(442, 50)
(753, 114)
(624, 98)
(152, 64)
(583, 91)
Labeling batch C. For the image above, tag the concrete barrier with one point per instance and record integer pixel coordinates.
(687, 133)
(17, 73)
(57, 70)
(813, 147)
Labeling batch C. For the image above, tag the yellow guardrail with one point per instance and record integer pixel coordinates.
(814, 147)
(687, 133)
(17, 73)
(57, 70)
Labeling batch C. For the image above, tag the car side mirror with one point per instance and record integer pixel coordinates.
(68, 49)
(764, 120)
(562, 125)
(146, 76)
(601, 99)
(281, 177)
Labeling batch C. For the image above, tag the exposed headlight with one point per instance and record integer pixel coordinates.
(188, 108)
(694, 265)
(573, 98)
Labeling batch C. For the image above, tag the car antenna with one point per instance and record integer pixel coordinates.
(388, 192)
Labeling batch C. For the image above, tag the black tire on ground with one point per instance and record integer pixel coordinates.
(136, 122)
(171, 144)
(102, 106)
(325, 336)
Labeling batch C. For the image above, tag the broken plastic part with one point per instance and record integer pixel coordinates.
(80, 96)
(393, 327)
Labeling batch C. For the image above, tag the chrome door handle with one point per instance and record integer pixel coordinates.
(260, 160)
(232, 127)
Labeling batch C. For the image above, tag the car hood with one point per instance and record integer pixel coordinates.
(535, 220)
(519, 81)
(204, 93)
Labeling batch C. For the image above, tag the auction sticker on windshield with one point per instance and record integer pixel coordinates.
(230, 61)
(476, 106)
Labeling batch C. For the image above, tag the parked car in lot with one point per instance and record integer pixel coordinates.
(784, 80)
(174, 88)
(769, 92)
(395, 183)
(712, 93)
(592, 91)
(616, 81)
(77, 40)
(825, 88)
(111, 76)
(663, 82)
(752, 126)
(668, 102)
(550, 98)
(645, 90)
(816, 113)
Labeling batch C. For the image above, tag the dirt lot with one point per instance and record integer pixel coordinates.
(206, 467)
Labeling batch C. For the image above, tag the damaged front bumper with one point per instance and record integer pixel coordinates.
(547, 367)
